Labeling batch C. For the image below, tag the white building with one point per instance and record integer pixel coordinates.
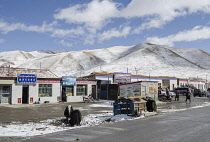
(27, 86)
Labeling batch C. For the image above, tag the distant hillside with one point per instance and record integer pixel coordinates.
(141, 59)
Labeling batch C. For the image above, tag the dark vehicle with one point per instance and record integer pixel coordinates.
(203, 93)
(182, 91)
(199, 92)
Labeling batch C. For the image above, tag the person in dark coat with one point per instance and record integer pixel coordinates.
(188, 96)
(177, 95)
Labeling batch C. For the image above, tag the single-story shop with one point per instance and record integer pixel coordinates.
(28, 86)
(107, 82)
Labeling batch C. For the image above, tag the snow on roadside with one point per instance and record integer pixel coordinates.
(45, 127)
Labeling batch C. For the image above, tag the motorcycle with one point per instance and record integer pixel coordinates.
(88, 99)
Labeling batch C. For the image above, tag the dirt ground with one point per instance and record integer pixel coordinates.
(25, 113)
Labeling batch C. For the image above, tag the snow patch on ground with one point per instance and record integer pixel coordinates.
(45, 127)
(56, 125)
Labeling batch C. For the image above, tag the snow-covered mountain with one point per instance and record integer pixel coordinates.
(141, 59)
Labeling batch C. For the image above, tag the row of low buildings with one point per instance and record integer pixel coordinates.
(28, 86)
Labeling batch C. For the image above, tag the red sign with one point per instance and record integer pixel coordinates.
(31, 99)
(48, 81)
(87, 82)
(19, 100)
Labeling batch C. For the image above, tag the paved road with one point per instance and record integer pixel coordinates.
(192, 125)
(35, 113)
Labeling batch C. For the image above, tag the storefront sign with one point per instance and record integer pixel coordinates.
(122, 77)
(48, 81)
(87, 82)
(26, 79)
(68, 80)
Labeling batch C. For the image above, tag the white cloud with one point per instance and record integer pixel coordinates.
(64, 43)
(97, 14)
(197, 33)
(114, 33)
(89, 39)
(87, 20)
(94, 14)
(160, 12)
(6, 27)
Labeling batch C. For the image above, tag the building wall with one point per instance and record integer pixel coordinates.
(55, 93)
(76, 98)
(33, 93)
(16, 93)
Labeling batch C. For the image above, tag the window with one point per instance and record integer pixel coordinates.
(69, 91)
(81, 90)
(45, 90)
(5, 94)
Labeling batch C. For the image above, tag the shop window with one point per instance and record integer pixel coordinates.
(81, 90)
(45, 90)
(69, 91)
(5, 94)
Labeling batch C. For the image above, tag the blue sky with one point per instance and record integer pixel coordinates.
(72, 25)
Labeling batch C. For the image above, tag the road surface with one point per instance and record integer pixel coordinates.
(191, 125)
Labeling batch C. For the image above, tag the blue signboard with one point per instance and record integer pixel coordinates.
(26, 79)
(68, 80)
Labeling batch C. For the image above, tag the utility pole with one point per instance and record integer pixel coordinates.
(108, 88)
(136, 74)
(149, 76)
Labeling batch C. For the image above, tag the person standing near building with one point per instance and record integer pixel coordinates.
(177, 95)
(188, 95)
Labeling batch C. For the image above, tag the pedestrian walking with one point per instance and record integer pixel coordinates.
(188, 96)
(177, 95)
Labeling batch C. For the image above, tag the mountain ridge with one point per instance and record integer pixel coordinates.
(143, 59)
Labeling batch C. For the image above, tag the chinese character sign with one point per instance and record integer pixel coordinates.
(26, 79)
(122, 77)
(68, 80)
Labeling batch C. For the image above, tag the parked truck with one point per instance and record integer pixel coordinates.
(140, 89)
(136, 97)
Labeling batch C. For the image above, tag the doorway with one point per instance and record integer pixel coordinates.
(94, 91)
(25, 94)
(67, 91)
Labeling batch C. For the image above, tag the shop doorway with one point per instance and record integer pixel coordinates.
(94, 91)
(25, 94)
(67, 91)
